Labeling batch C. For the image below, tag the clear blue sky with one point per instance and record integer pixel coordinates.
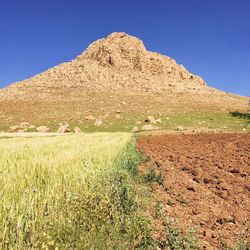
(210, 37)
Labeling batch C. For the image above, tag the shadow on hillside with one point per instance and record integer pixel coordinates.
(240, 114)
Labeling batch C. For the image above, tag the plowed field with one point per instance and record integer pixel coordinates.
(206, 183)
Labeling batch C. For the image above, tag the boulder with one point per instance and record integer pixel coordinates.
(17, 129)
(24, 124)
(77, 130)
(149, 127)
(32, 126)
(98, 122)
(63, 128)
(135, 129)
(43, 129)
(150, 119)
(22, 127)
(89, 118)
(179, 128)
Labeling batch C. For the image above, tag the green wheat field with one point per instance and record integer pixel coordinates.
(71, 192)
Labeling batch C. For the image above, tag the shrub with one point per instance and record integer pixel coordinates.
(180, 241)
(151, 176)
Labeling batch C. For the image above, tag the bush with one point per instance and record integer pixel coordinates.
(181, 241)
(151, 176)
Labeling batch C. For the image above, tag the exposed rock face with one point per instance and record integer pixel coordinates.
(124, 52)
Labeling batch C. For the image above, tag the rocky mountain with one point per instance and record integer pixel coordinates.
(119, 62)
(111, 70)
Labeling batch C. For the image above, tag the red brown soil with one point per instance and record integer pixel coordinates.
(206, 183)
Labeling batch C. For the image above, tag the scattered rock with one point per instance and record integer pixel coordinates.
(191, 188)
(22, 127)
(89, 118)
(98, 122)
(150, 119)
(158, 120)
(32, 126)
(149, 127)
(137, 122)
(63, 128)
(135, 129)
(77, 130)
(179, 128)
(24, 124)
(224, 219)
(17, 129)
(43, 129)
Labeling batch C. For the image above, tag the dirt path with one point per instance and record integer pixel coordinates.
(206, 183)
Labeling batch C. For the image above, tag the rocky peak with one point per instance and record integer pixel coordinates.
(117, 62)
(129, 42)
(118, 50)
(128, 53)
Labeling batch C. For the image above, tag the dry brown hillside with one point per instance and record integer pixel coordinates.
(115, 78)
